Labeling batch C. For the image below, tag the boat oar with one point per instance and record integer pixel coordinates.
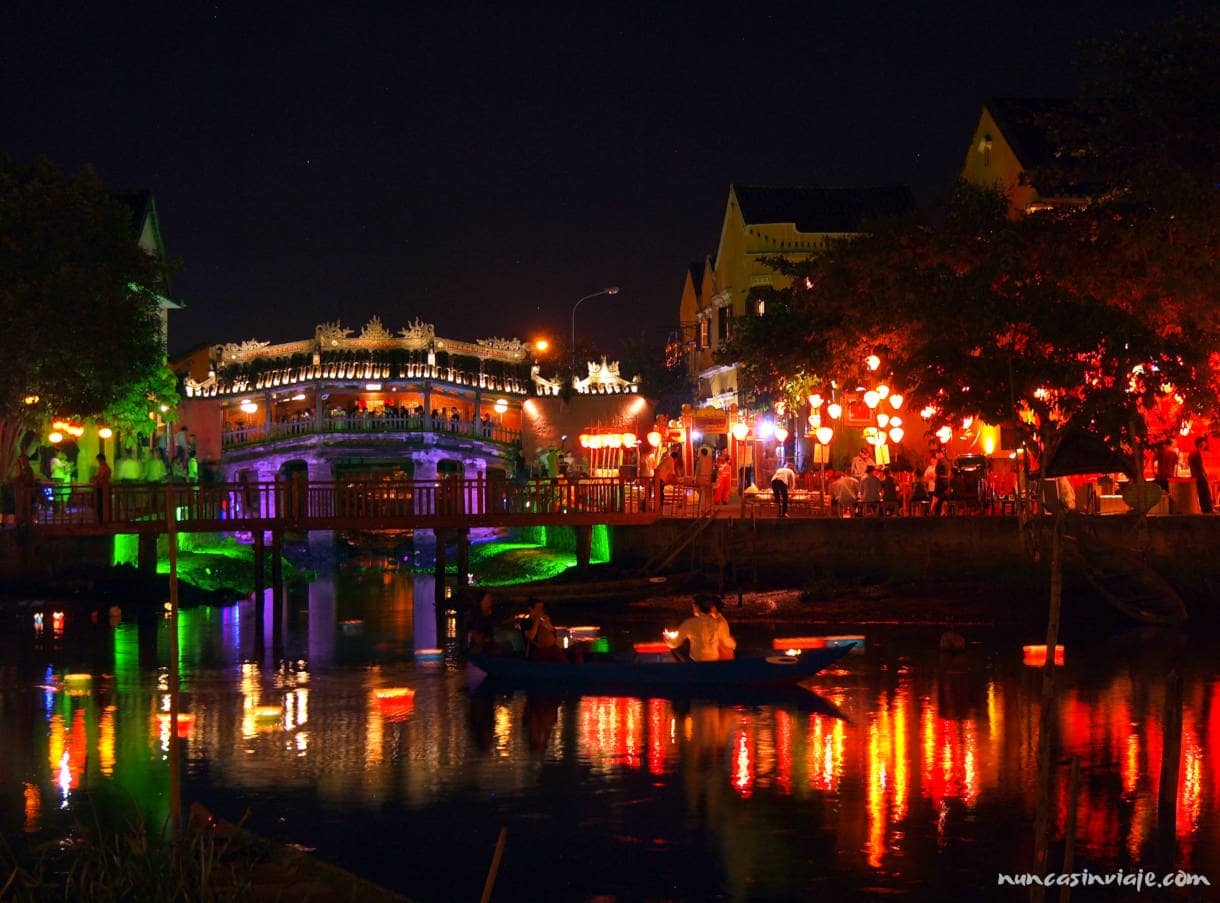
(495, 865)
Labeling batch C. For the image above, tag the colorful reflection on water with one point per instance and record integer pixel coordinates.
(925, 787)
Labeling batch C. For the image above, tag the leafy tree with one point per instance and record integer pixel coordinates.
(645, 355)
(130, 413)
(77, 297)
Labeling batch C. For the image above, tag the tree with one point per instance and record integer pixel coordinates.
(157, 389)
(78, 297)
(646, 356)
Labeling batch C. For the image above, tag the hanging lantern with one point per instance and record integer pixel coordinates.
(834, 410)
(882, 420)
(824, 435)
(614, 440)
(654, 438)
(883, 390)
(55, 438)
(815, 401)
(944, 434)
(872, 362)
(781, 434)
(896, 433)
(740, 430)
(584, 440)
(105, 432)
(248, 406)
(872, 399)
(895, 401)
(895, 421)
(765, 429)
(928, 413)
(629, 440)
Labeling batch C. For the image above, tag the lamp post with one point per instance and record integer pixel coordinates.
(611, 290)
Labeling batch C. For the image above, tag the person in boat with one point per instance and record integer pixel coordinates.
(481, 626)
(541, 643)
(707, 634)
(726, 652)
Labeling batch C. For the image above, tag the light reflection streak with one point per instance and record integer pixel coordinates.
(783, 751)
(743, 763)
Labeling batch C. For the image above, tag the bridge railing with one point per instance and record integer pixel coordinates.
(298, 501)
(363, 424)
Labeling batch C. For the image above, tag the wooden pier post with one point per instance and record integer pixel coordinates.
(441, 537)
(146, 554)
(584, 547)
(463, 557)
(277, 564)
(260, 564)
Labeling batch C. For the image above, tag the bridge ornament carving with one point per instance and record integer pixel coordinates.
(417, 335)
(511, 346)
(329, 335)
(238, 351)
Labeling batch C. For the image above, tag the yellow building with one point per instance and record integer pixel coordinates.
(761, 222)
(1017, 144)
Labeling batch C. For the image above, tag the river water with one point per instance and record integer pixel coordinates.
(926, 788)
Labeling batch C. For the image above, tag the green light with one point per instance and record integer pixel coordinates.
(126, 549)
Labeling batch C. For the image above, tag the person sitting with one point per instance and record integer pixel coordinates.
(726, 652)
(707, 634)
(481, 627)
(541, 643)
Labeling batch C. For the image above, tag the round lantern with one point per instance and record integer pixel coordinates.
(654, 439)
(825, 434)
(740, 430)
(896, 434)
(895, 401)
(834, 410)
(781, 434)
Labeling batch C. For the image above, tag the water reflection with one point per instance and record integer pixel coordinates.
(933, 757)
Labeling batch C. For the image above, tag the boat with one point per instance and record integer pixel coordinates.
(635, 676)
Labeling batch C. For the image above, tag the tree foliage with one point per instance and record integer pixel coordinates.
(1104, 315)
(157, 389)
(77, 297)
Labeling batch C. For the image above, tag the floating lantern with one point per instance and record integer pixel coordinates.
(834, 410)
(1035, 656)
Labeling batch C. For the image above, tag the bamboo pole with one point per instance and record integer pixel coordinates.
(495, 866)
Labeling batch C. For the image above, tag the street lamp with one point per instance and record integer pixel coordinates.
(611, 290)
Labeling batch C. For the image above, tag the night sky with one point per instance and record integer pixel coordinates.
(482, 167)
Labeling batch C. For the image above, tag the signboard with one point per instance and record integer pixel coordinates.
(709, 420)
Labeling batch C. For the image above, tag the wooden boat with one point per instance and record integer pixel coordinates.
(612, 673)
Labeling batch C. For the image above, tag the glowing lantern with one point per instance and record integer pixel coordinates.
(895, 401)
(56, 437)
(613, 441)
(1035, 656)
(870, 435)
(944, 434)
(765, 429)
(740, 430)
(654, 438)
(967, 422)
(815, 401)
(629, 440)
(249, 407)
(834, 410)
(781, 434)
(501, 405)
(595, 441)
(105, 432)
(988, 445)
(31, 399)
(895, 421)
(872, 361)
(896, 434)
(883, 390)
(872, 399)
(1185, 430)
(882, 420)
(824, 435)
(928, 413)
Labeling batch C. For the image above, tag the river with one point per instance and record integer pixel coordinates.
(926, 788)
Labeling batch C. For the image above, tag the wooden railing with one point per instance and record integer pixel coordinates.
(301, 504)
(478, 429)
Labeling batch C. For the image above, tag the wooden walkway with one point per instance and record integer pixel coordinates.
(298, 505)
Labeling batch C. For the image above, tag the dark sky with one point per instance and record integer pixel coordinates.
(482, 167)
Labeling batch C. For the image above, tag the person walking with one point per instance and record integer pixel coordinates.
(724, 480)
(1198, 473)
(663, 474)
(781, 482)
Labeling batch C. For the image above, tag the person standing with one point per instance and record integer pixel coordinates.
(704, 466)
(941, 486)
(724, 480)
(1166, 464)
(781, 482)
(860, 464)
(101, 490)
(1198, 473)
(663, 474)
(870, 492)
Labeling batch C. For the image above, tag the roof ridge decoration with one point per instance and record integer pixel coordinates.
(512, 346)
(232, 351)
(329, 335)
(417, 334)
(374, 331)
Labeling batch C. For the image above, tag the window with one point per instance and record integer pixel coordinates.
(705, 332)
(722, 331)
(760, 306)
